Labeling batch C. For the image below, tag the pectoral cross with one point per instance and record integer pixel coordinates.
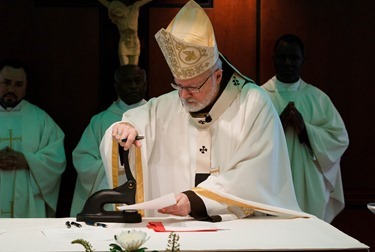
(3, 212)
(10, 138)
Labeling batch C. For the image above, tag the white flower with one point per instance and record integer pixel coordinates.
(131, 240)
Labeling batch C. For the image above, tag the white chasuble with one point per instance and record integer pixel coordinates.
(203, 152)
(248, 159)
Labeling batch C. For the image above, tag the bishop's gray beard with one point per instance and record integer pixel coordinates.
(191, 105)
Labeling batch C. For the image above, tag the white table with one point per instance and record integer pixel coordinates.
(250, 234)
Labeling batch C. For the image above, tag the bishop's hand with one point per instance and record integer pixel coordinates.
(181, 208)
(126, 135)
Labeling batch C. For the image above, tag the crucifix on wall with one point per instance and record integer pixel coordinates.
(124, 14)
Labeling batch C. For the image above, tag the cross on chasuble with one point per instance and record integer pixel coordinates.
(203, 156)
(6, 210)
(10, 138)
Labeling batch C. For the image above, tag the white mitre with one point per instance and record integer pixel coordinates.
(188, 43)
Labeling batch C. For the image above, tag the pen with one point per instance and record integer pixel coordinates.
(136, 138)
(68, 224)
(97, 224)
(76, 224)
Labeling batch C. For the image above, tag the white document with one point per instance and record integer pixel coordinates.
(158, 203)
(182, 226)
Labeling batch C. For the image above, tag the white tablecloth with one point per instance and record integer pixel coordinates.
(250, 234)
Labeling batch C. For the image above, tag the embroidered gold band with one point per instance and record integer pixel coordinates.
(211, 195)
(139, 197)
(115, 168)
(115, 163)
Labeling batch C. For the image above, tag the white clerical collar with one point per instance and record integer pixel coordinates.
(123, 106)
(16, 108)
(282, 86)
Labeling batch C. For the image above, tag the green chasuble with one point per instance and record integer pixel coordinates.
(31, 192)
(316, 171)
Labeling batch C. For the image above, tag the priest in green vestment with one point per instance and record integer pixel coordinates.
(315, 132)
(32, 155)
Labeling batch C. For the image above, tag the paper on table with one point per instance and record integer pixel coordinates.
(188, 226)
(2, 231)
(158, 203)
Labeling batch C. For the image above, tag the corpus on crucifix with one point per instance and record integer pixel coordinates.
(125, 15)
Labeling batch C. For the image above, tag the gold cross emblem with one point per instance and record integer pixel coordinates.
(10, 138)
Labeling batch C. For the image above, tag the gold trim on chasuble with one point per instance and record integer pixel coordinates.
(139, 195)
(247, 209)
(115, 164)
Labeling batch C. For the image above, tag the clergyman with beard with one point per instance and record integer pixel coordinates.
(32, 155)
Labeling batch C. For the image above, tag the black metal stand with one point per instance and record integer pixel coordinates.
(93, 210)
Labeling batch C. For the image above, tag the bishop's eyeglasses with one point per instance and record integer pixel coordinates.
(191, 89)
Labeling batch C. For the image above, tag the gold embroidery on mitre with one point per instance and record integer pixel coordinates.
(185, 60)
(190, 55)
(188, 43)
